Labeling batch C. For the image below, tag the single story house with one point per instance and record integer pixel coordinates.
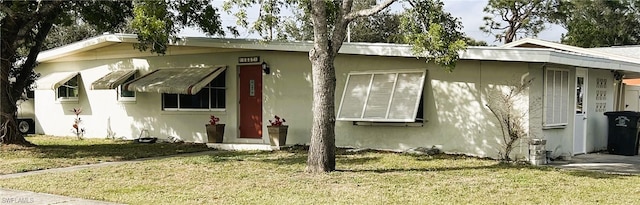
(386, 97)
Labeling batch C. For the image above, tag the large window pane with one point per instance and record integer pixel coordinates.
(212, 96)
(218, 98)
(126, 93)
(62, 92)
(170, 101)
(198, 101)
(219, 81)
(69, 89)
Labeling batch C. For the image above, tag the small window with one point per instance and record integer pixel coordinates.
(211, 97)
(556, 97)
(383, 96)
(69, 90)
(125, 95)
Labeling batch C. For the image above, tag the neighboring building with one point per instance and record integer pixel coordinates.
(631, 93)
(386, 98)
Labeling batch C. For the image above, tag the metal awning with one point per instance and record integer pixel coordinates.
(112, 80)
(175, 80)
(54, 80)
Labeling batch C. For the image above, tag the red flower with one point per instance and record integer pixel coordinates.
(213, 120)
(277, 121)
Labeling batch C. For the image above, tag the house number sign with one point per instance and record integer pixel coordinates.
(250, 59)
(252, 88)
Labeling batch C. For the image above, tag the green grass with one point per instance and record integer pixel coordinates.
(362, 178)
(54, 152)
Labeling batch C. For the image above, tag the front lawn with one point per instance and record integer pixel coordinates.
(53, 152)
(364, 178)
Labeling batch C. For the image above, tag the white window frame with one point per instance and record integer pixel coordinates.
(551, 103)
(386, 119)
(66, 98)
(126, 99)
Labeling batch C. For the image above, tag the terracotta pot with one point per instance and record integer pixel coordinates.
(278, 135)
(215, 133)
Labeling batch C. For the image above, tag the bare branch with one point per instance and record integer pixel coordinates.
(368, 12)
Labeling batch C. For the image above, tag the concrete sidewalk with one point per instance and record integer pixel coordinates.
(607, 163)
(10, 196)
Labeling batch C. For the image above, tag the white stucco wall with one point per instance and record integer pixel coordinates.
(102, 110)
(560, 139)
(456, 117)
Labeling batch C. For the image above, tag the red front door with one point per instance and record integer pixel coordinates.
(251, 101)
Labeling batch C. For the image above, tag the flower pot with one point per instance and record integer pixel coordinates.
(215, 133)
(278, 135)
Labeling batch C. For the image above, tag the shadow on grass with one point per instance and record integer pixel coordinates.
(595, 174)
(228, 156)
(495, 167)
(121, 150)
(440, 169)
(282, 157)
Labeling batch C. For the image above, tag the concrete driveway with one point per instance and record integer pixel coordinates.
(608, 163)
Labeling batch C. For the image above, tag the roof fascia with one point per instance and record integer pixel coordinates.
(568, 48)
(85, 45)
(543, 55)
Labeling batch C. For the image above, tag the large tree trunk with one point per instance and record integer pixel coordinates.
(9, 133)
(327, 41)
(322, 150)
(14, 29)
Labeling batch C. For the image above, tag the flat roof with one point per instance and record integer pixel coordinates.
(549, 52)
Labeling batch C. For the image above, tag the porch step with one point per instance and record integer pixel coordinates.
(242, 147)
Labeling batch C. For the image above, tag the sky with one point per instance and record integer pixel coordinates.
(468, 11)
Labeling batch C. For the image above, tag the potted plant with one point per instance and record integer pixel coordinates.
(215, 131)
(277, 131)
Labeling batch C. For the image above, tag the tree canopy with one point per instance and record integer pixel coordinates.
(599, 23)
(509, 19)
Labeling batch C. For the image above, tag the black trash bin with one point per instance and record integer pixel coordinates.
(623, 132)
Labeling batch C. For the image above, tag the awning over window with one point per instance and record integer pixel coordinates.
(54, 80)
(382, 96)
(112, 80)
(175, 80)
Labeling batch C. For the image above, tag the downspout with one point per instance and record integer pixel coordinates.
(618, 99)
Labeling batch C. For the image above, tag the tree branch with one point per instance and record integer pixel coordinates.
(318, 9)
(24, 78)
(340, 27)
(368, 12)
